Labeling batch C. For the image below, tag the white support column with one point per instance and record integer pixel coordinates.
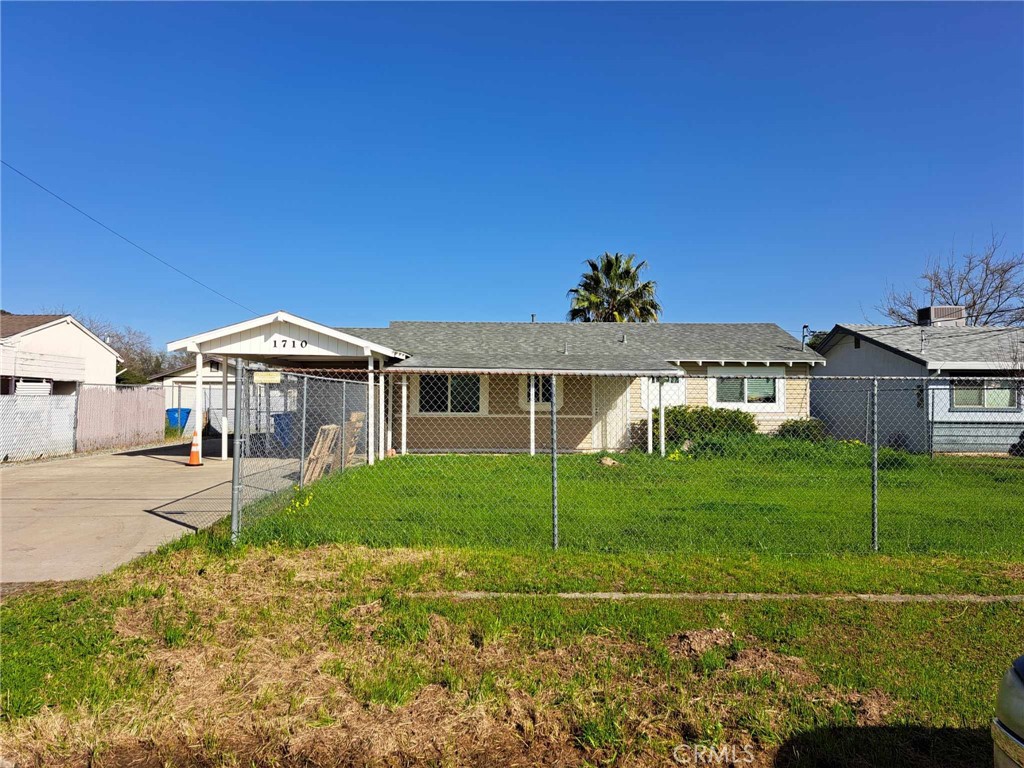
(199, 404)
(370, 432)
(380, 416)
(405, 414)
(224, 409)
(661, 416)
(650, 415)
(531, 385)
(390, 442)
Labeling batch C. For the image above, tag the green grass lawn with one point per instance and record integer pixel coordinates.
(274, 656)
(749, 494)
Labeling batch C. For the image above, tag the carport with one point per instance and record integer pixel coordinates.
(282, 339)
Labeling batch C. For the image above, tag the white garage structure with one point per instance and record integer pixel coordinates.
(286, 340)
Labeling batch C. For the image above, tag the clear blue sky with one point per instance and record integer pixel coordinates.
(361, 163)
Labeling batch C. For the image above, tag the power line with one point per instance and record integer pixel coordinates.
(130, 242)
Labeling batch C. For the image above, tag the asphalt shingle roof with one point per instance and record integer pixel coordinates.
(12, 325)
(946, 343)
(648, 347)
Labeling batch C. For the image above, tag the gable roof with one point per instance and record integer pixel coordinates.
(647, 348)
(191, 367)
(939, 346)
(12, 325)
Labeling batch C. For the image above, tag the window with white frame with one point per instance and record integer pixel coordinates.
(986, 394)
(448, 394)
(545, 389)
(741, 387)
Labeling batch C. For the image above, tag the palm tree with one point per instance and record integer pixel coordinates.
(611, 292)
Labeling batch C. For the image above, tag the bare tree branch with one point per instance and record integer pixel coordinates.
(988, 285)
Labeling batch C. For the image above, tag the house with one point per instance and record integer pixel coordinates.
(465, 386)
(51, 355)
(962, 392)
(179, 383)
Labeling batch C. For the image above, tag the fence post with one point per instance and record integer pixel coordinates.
(78, 406)
(874, 464)
(344, 425)
(661, 416)
(554, 464)
(302, 439)
(236, 460)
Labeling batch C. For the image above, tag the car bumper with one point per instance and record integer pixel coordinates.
(1008, 750)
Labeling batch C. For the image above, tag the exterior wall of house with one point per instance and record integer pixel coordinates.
(61, 352)
(505, 426)
(913, 415)
(696, 391)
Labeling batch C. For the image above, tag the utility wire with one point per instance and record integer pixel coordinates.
(130, 242)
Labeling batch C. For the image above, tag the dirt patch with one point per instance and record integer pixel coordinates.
(695, 643)
(758, 661)
(1015, 571)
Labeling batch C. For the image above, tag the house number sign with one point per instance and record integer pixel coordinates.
(289, 344)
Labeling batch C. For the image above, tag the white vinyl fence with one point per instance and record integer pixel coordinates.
(119, 417)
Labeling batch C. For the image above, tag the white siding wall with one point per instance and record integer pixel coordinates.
(63, 352)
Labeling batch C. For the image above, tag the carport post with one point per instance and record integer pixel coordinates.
(224, 409)
(199, 402)
(405, 413)
(532, 385)
(181, 424)
(661, 416)
(390, 442)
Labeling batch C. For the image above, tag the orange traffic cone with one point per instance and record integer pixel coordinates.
(195, 458)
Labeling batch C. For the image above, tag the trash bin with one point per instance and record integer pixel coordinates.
(177, 418)
(284, 424)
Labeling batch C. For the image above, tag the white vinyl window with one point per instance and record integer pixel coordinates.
(545, 389)
(742, 388)
(985, 394)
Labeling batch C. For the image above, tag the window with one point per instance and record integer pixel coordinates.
(757, 390)
(214, 366)
(542, 387)
(449, 394)
(981, 394)
(748, 387)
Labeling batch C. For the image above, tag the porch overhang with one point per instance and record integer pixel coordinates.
(282, 338)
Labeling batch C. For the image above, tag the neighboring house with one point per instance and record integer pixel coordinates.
(964, 394)
(181, 382)
(466, 384)
(51, 355)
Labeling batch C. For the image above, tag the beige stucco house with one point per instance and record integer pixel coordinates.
(51, 354)
(490, 387)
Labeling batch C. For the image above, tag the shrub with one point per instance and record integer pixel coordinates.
(686, 422)
(812, 430)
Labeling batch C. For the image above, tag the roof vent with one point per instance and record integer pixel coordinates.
(941, 315)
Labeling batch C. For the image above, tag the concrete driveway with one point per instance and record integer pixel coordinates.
(80, 517)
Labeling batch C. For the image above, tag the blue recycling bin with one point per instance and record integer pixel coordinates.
(177, 418)
(284, 425)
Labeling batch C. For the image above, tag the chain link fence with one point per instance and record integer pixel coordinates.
(753, 463)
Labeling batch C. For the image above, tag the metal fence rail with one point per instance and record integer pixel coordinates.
(764, 463)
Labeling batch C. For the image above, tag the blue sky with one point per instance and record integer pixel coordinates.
(360, 163)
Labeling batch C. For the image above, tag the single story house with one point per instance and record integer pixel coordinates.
(179, 383)
(466, 386)
(51, 355)
(962, 391)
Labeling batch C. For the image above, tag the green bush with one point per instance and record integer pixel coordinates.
(812, 430)
(687, 422)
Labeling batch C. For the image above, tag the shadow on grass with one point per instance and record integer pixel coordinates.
(905, 746)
